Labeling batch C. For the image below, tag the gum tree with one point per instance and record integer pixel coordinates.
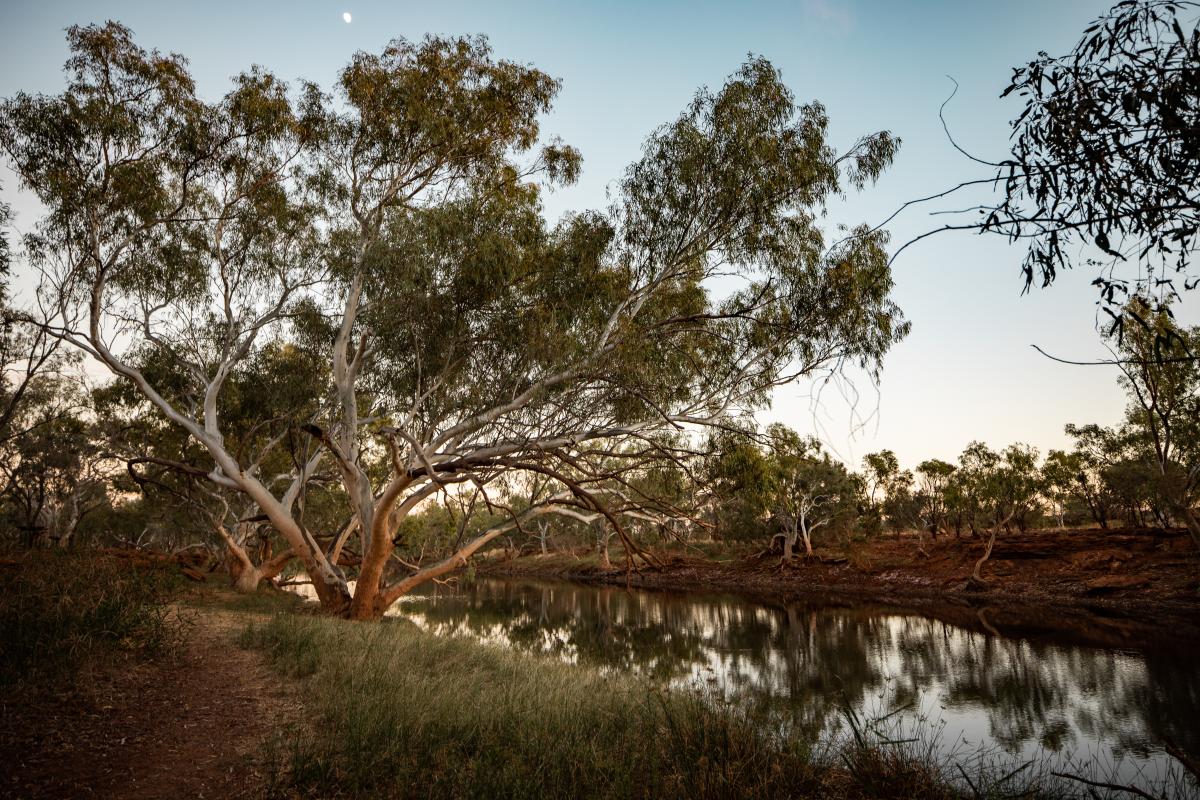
(739, 482)
(1098, 450)
(1061, 474)
(1163, 415)
(263, 405)
(52, 468)
(812, 491)
(397, 227)
(1006, 486)
(934, 480)
(880, 473)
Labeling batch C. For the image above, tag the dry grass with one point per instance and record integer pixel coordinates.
(402, 713)
(63, 611)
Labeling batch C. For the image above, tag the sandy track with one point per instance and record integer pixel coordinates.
(195, 726)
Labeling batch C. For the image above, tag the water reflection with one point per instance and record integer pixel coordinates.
(1113, 708)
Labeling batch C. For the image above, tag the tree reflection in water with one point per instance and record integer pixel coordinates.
(806, 664)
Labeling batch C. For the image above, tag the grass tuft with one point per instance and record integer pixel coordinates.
(63, 611)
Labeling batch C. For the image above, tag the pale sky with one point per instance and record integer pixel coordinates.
(967, 371)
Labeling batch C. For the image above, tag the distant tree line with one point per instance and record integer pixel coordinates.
(1141, 472)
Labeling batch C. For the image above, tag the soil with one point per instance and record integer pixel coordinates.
(198, 724)
(1123, 588)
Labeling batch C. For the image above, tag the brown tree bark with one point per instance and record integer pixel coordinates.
(245, 575)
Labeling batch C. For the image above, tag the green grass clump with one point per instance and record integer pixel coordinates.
(62, 611)
(401, 713)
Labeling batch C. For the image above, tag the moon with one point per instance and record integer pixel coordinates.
(346, 17)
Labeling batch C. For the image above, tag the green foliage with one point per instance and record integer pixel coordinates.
(265, 404)
(1147, 468)
(889, 499)
(1096, 448)
(779, 481)
(812, 490)
(394, 230)
(999, 489)
(935, 476)
(1163, 415)
(1104, 152)
(741, 479)
(51, 458)
(1062, 474)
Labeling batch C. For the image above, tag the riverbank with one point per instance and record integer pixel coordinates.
(400, 712)
(1100, 588)
(420, 715)
(261, 696)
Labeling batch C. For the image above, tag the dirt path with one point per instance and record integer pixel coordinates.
(195, 726)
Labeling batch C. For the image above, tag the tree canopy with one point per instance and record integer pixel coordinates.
(1105, 151)
(395, 227)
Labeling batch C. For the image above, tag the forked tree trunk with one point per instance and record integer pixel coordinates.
(333, 595)
(245, 575)
(976, 575)
(805, 530)
(246, 578)
(372, 598)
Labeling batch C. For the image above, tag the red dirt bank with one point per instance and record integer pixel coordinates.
(1109, 588)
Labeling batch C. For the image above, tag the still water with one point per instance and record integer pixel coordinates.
(1090, 710)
